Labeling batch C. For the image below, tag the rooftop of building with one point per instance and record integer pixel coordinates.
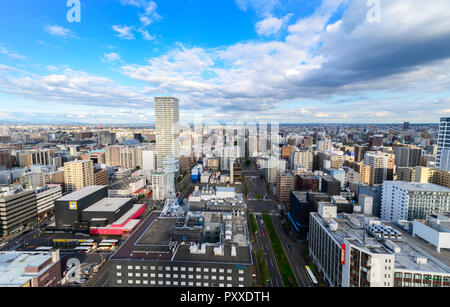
(78, 162)
(77, 195)
(440, 223)
(352, 228)
(108, 205)
(13, 264)
(6, 191)
(156, 240)
(300, 195)
(158, 232)
(242, 254)
(419, 187)
(124, 183)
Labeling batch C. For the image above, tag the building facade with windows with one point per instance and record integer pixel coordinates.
(201, 249)
(354, 250)
(167, 129)
(408, 201)
(443, 151)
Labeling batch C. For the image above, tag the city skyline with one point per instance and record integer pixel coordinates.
(292, 62)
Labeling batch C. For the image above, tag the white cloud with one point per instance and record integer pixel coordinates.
(60, 31)
(262, 7)
(9, 68)
(111, 57)
(340, 64)
(146, 36)
(147, 16)
(316, 60)
(271, 25)
(11, 54)
(74, 87)
(124, 32)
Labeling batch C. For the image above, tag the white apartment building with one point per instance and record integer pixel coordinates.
(149, 160)
(408, 201)
(324, 145)
(167, 128)
(159, 184)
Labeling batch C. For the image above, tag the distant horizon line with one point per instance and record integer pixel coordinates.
(153, 124)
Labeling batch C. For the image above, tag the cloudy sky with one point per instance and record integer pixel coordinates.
(292, 61)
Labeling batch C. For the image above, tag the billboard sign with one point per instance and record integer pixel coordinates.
(73, 205)
(343, 254)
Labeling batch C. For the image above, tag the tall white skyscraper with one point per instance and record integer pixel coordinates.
(443, 152)
(167, 128)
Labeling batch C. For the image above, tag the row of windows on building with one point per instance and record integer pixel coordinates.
(175, 283)
(182, 276)
(175, 269)
(419, 280)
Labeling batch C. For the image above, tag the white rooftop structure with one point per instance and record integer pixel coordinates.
(107, 205)
(13, 264)
(81, 193)
(434, 230)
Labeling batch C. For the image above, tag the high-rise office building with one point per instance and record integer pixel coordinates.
(405, 125)
(285, 184)
(106, 138)
(360, 151)
(407, 156)
(443, 152)
(167, 128)
(78, 175)
(5, 158)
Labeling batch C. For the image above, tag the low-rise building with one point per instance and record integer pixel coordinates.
(30, 269)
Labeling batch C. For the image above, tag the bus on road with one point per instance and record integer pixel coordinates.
(311, 276)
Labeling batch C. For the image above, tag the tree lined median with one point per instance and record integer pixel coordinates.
(282, 261)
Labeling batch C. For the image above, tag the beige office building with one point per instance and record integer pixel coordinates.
(432, 175)
(112, 156)
(78, 175)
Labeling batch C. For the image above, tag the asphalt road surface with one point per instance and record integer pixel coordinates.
(262, 243)
(293, 252)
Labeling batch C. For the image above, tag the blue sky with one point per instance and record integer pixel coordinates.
(293, 61)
